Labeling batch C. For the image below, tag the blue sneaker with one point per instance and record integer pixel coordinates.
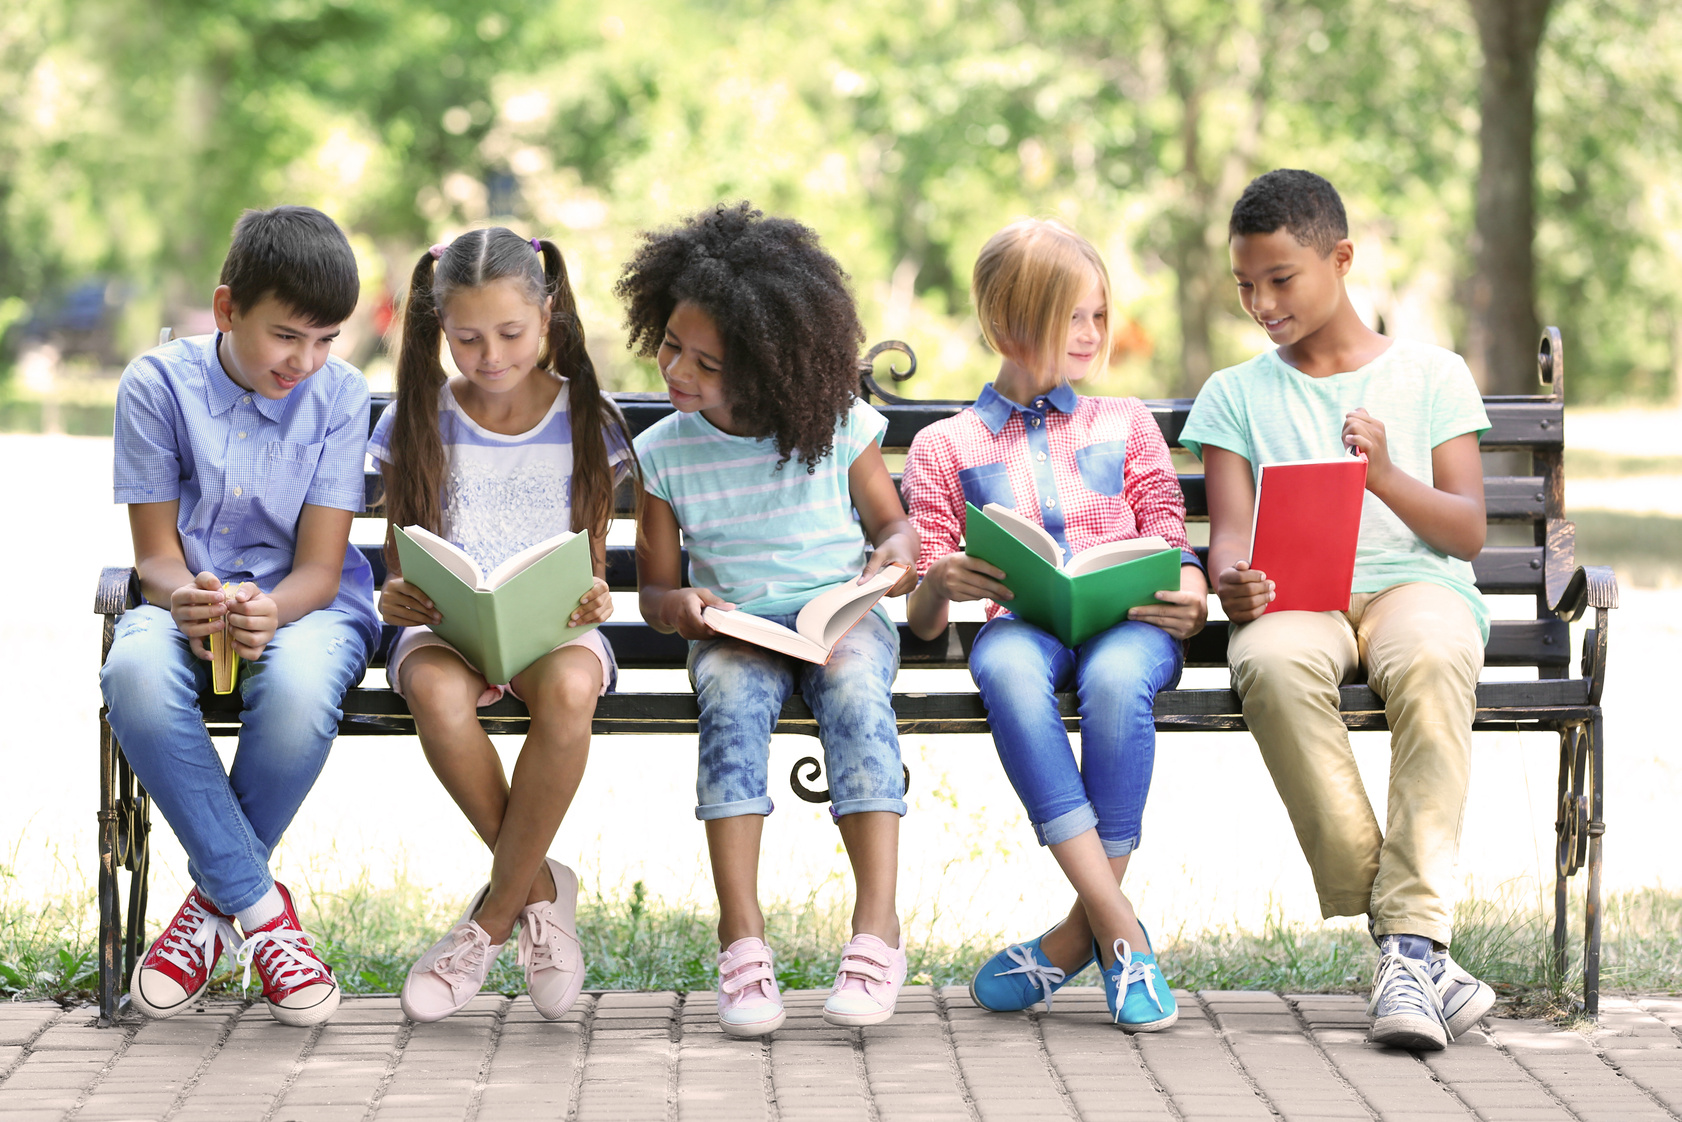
(1137, 994)
(1017, 977)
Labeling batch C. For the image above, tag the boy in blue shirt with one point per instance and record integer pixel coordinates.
(240, 456)
(1415, 623)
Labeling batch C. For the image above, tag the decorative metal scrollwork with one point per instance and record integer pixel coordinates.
(867, 372)
(813, 770)
(1572, 827)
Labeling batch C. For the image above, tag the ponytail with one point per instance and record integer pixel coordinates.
(417, 450)
(592, 414)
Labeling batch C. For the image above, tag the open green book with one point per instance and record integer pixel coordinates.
(1074, 599)
(507, 619)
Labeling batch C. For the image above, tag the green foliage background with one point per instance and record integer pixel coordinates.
(132, 133)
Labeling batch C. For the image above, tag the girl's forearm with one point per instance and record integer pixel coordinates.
(651, 600)
(1447, 522)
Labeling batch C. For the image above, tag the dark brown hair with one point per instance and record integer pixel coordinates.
(297, 255)
(1291, 199)
(475, 259)
(780, 302)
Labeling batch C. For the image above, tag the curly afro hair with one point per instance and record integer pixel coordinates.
(1299, 201)
(782, 307)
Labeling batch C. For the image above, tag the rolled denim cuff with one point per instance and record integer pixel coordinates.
(859, 806)
(761, 806)
(1119, 848)
(1072, 824)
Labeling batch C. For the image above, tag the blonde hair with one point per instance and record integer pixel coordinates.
(1028, 279)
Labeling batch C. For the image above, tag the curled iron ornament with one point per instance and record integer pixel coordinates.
(813, 770)
(867, 370)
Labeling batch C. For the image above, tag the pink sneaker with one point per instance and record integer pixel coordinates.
(867, 984)
(298, 987)
(549, 948)
(448, 975)
(177, 967)
(748, 1001)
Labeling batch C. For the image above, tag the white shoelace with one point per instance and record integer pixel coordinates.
(283, 962)
(1391, 986)
(1134, 972)
(1042, 974)
(190, 945)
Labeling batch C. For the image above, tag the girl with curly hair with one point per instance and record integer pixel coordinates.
(1090, 470)
(519, 446)
(760, 468)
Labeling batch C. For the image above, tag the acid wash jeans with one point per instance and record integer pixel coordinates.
(229, 822)
(1116, 674)
(741, 689)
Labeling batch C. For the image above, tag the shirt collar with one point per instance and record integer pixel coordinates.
(994, 408)
(223, 393)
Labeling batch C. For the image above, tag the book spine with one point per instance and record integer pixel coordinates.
(490, 634)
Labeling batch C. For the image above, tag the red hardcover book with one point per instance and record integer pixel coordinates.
(1308, 518)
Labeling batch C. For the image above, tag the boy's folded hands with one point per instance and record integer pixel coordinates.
(248, 614)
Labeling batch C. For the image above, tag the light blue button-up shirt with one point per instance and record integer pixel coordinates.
(242, 466)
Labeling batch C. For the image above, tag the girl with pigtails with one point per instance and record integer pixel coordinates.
(517, 447)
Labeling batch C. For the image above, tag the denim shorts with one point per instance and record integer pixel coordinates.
(741, 689)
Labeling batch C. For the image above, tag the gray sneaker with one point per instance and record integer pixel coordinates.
(1405, 1007)
(1464, 998)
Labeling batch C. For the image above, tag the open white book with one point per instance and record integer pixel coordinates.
(821, 623)
(1034, 536)
(456, 560)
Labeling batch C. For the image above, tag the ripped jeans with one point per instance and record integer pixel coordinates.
(229, 822)
(741, 689)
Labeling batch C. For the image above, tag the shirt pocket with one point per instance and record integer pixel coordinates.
(987, 483)
(288, 469)
(1103, 467)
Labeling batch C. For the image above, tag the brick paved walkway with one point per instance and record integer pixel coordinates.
(624, 1056)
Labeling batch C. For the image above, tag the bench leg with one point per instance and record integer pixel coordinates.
(110, 906)
(1596, 827)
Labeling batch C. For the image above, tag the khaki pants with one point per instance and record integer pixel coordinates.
(1422, 652)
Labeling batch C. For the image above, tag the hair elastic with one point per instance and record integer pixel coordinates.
(537, 245)
(437, 251)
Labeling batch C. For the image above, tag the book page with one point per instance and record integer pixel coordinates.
(1114, 553)
(1029, 533)
(763, 633)
(525, 559)
(833, 612)
(449, 555)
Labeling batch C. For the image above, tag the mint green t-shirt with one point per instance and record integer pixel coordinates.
(1268, 411)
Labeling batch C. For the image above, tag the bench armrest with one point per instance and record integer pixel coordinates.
(1590, 586)
(119, 590)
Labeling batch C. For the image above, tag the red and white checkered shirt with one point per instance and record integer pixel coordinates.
(1089, 469)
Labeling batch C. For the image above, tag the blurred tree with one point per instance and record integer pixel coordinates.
(1502, 332)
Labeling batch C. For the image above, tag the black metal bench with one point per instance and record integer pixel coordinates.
(1545, 568)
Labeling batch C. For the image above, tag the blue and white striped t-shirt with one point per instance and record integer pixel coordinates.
(762, 538)
(503, 492)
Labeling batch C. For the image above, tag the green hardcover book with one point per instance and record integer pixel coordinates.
(1074, 599)
(507, 619)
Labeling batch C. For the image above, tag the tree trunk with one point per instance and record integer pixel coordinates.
(1501, 337)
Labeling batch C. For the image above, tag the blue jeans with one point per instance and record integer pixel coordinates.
(1017, 667)
(741, 689)
(229, 822)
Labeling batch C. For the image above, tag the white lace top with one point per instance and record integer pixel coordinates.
(503, 493)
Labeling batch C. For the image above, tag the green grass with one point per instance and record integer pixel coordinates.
(371, 933)
(1587, 463)
(1646, 549)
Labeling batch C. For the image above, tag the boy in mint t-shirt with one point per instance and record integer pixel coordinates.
(1415, 622)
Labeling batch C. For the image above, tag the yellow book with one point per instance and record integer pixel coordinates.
(224, 660)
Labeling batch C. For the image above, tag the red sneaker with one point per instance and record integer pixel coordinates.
(298, 986)
(177, 966)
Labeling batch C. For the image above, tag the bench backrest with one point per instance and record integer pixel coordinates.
(1532, 425)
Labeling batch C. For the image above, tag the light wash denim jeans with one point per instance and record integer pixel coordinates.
(229, 822)
(1017, 668)
(742, 688)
